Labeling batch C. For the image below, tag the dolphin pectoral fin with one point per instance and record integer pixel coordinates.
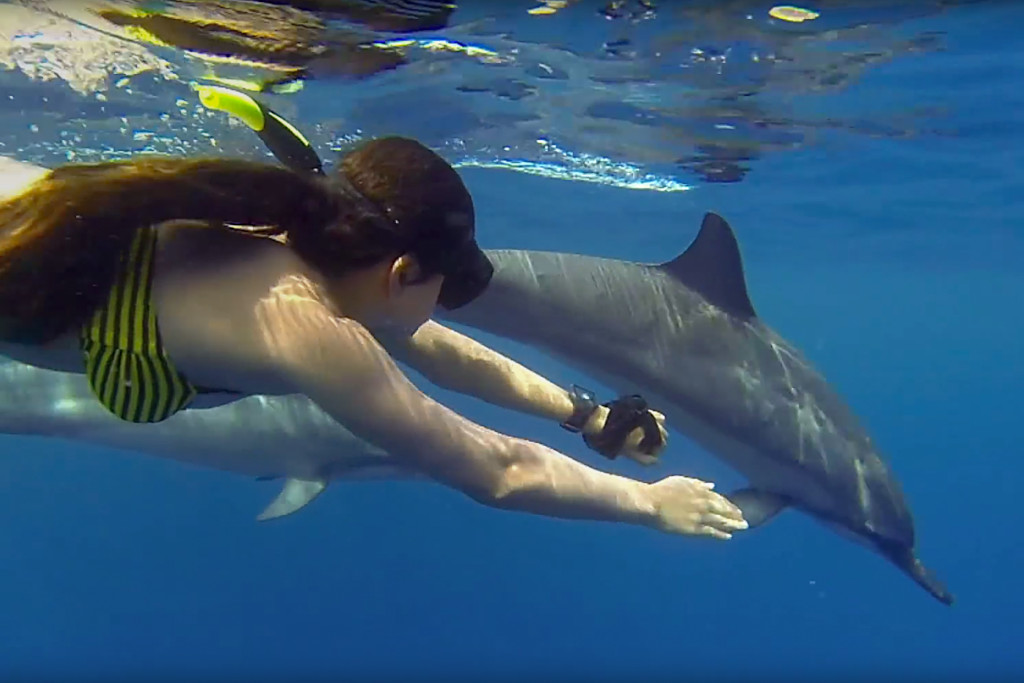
(296, 494)
(758, 506)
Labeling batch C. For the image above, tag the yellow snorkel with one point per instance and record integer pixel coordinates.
(282, 138)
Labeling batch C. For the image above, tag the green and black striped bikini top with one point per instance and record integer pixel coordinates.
(125, 362)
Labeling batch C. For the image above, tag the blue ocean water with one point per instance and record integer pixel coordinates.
(891, 257)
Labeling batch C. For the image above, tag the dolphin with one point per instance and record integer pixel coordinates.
(264, 437)
(682, 333)
(685, 335)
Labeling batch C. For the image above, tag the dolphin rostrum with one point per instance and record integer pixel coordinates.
(685, 335)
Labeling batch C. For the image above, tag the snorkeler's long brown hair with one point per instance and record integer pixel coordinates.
(62, 239)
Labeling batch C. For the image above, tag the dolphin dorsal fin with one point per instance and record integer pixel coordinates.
(712, 266)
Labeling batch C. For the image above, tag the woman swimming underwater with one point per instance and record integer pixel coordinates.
(175, 283)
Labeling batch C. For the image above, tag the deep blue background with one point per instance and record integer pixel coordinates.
(893, 263)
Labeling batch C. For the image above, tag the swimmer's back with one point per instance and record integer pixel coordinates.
(207, 287)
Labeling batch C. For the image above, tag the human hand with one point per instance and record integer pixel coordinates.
(688, 506)
(632, 447)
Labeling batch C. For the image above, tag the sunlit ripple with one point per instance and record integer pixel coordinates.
(586, 169)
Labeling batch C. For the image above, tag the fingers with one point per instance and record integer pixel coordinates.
(690, 506)
(633, 439)
(719, 527)
(631, 447)
(722, 517)
(724, 523)
(722, 506)
(659, 419)
(714, 533)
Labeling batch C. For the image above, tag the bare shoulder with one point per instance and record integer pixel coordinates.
(16, 175)
(219, 296)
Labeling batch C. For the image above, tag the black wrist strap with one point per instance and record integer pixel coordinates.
(626, 414)
(584, 403)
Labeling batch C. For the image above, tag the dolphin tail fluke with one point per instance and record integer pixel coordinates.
(296, 494)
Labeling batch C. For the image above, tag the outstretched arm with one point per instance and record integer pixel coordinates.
(448, 359)
(454, 361)
(339, 365)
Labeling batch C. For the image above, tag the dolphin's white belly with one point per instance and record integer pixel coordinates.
(256, 436)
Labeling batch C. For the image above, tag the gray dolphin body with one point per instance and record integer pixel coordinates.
(266, 437)
(685, 335)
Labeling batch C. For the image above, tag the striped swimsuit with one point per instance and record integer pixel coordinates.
(125, 361)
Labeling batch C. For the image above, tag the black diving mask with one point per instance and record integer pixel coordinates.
(467, 271)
